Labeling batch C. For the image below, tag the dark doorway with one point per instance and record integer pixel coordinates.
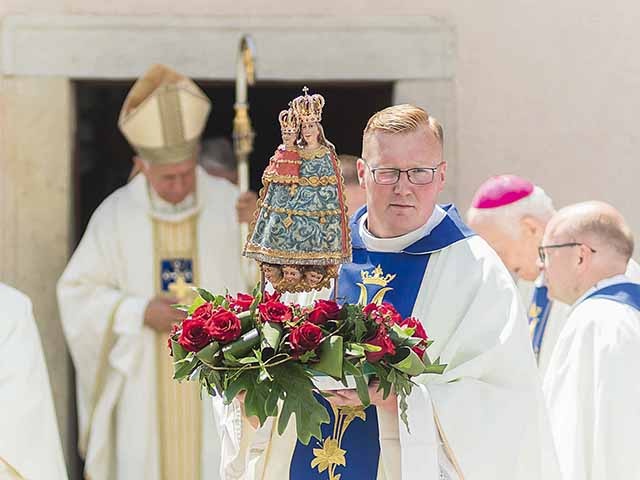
(103, 157)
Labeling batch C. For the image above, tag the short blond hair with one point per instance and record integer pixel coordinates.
(403, 119)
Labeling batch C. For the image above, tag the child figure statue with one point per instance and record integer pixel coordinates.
(302, 217)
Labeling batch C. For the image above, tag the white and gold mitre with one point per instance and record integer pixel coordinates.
(164, 115)
(307, 107)
(289, 122)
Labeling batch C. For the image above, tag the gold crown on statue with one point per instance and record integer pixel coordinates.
(377, 278)
(289, 122)
(307, 107)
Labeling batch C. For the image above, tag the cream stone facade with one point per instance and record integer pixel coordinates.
(546, 90)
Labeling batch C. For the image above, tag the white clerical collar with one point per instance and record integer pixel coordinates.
(397, 244)
(616, 279)
(170, 212)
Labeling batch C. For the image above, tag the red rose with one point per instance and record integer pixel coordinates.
(241, 303)
(385, 313)
(305, 338)
(203, 312)
(324, 310)
(380, 339)
(370, 309)
(224, 326)
(275, 296)
(274, 311)
(194, 336)
(419, 333)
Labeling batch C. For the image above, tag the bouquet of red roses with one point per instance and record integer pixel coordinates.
(273, 350)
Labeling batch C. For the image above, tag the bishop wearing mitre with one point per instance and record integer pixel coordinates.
(170, 227)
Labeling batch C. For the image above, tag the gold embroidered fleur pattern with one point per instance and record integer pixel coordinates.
(328, 456)
(534, 314)
(331, 455)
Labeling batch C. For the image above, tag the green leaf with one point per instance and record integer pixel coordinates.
(256, 397)
(179, 353)
(331, 355)
(207, 353)
(371, 348)
(185, 367)
(246, 321)
(205, 295)
(355, 350)
(382, 373)
(413, 341)
(271, 405)
(243, 344)
(402, 386)
(435, 366)
(298, 400)
(362, 383)
(181, 307)
(256, 293)
(199, 301)
(220, 300)
(360, 329)
(400, 334)
(215, 380)
(410, 364)
(271, 336)
(306, 356)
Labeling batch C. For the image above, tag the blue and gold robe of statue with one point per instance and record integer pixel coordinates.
(350, 448)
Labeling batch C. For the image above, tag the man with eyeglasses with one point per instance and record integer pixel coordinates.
(433, 268)
(591, 387)
(511, 213)
(484, 418)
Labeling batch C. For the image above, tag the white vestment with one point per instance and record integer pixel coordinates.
(488, 405)
(592, 390)
(558, 313)
(103, 294)
(29, 441)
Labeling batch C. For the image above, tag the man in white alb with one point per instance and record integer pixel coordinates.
(171, 227)
(590, 386)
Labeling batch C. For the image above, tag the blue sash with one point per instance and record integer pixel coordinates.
(538, 316)
(371, 277)
(626, 293)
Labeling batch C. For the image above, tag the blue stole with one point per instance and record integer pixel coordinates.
(538, 316)
(626, 293)
(393, 277)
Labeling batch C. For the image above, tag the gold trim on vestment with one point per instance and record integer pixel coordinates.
(179, 404)
(319, 152)
(168, 154)
(313, 181)
(12, 469)
(447, 447)
(290, 256)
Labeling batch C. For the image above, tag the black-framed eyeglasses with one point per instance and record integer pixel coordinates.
(543, 256)
(391, 176)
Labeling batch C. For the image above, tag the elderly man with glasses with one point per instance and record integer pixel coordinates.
(591, 387)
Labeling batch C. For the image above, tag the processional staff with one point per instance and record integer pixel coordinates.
(243, 134)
